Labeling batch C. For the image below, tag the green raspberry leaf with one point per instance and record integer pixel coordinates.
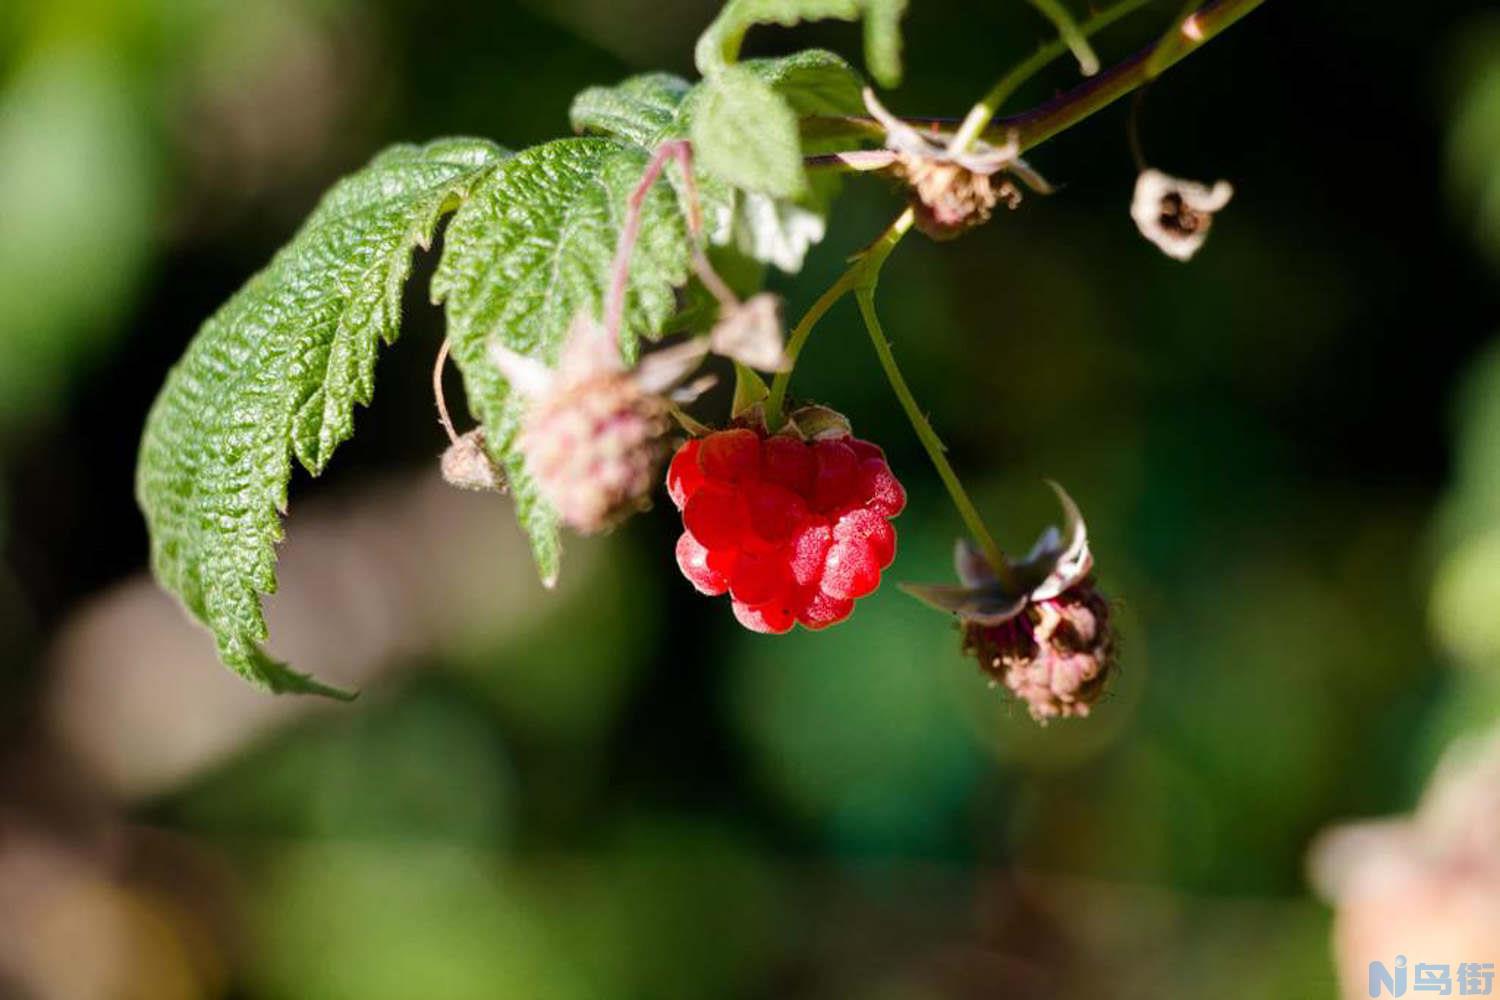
(276, 372)
(883, 39)
(746, 133)
(645, 109)
(719, 46)
(530, 249)
(650, 109)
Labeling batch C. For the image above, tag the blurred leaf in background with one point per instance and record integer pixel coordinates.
(379, 921)
(79, 189)
(427, 766)
(859, 729)
(1473, 71)
(1466, 530)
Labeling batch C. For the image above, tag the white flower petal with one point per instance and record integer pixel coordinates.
(1161, 222)
(527, 376)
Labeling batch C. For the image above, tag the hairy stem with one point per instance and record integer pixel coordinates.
(1063, 112)
(619, 275)
(1070, 34)
(776, 401)
(437, 392)
(1157, 60)
(865, 296)
(864, 269)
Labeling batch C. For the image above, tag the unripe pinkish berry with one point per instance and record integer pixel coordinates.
(594, 432)
(594, 449)
(1038, 625)
(1055, 655)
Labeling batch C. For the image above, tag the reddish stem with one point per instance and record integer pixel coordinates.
(437, 392)
(619, 278)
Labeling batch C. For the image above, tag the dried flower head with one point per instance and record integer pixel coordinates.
(1176, 214)
(1044, 631)
(594, 432)
(953, 192)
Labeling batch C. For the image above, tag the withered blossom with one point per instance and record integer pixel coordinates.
(1176, 214)
(952, 192)
(1045, 631)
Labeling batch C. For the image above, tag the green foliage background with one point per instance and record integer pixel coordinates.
(1287, 452)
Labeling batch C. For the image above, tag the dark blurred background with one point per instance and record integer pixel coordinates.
(1288, 452)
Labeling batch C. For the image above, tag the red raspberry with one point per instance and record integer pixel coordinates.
(697, 564)
(794, 531)
(837, 476)
(862, 523)
(731, 456)
(878, 484)
(759, 577)
(852, 570)
(821, 611)
(809, 552)
(683, 475)
(771, 619)
(716, 515)
(788, 462)
(775, 514)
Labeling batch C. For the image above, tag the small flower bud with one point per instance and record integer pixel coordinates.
(468, 466)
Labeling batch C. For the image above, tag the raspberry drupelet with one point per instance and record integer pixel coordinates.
(793, 531)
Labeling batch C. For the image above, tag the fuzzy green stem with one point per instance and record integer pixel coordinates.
(776, 401)
(1070, 34)
(864, 268)
(1157, 60)
(1041, 123)
(1063, 112)
(865, 296)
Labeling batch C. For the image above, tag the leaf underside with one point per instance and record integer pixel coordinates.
(276, 372)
